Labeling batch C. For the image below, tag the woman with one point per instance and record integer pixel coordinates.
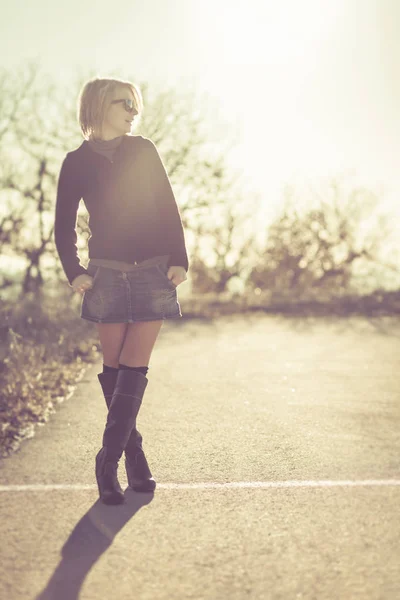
(137, 258)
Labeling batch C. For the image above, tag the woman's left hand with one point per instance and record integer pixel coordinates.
(177, 275)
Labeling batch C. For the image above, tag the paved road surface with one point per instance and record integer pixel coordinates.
(276, 445)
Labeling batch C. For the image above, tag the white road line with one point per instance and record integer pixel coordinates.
(214, 486)
(280, 484)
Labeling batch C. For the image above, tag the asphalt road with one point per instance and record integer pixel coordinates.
(275, 443)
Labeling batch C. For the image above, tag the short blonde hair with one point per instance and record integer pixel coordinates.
(93, 100)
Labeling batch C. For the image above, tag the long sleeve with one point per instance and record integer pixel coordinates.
(67, 204)
(169, 211)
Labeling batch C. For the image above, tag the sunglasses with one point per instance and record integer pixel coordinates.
(127, 102)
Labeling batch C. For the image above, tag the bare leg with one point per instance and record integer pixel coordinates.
(139, 343)
(112, 336)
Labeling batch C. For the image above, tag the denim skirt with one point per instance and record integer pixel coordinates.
(142, 292)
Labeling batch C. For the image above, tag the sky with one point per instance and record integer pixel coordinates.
(312, 86)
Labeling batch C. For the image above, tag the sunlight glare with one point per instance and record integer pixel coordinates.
(267, 33)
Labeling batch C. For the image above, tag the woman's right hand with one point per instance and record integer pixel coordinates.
(82, 283)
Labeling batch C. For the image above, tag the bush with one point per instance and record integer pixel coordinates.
(44, 349)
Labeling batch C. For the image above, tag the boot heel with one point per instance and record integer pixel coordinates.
(110, 491)
(138, 473)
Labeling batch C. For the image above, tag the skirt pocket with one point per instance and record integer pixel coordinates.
(93, 270)
(163, 269)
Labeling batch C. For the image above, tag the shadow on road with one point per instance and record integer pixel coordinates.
(91, 536)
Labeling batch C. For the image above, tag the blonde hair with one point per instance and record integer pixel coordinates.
(93, 101)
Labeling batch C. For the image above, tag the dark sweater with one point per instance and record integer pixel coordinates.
(133, 214)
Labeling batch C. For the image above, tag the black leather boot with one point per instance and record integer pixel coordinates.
(121, 420)
(138, 472)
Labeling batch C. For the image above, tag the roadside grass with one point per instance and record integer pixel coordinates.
(210, 305)
(45, 348)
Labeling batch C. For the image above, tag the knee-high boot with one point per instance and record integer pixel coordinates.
(138, 472)
(121, 420)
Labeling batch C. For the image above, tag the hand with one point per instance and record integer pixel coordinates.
(82, 283)
(177, 275)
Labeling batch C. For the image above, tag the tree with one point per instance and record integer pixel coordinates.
(319, 248)
(31, 148)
